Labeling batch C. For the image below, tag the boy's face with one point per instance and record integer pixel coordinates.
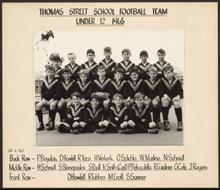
(66, 75)
(76, 100)
(91, 57)
(160, 56)
(134, 76)
(139, 101)
(83, 77)
(72, 58)
(118, 76)
(168, 74)
(144, 58)
(94, 102)
(101, 72)
(126, 56)
(152, 74)
(118, 101)
(50, 73)
(107, 54)
(56, 64)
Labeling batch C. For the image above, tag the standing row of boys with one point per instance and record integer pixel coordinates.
(110, 96)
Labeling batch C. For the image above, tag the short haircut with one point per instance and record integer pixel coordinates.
(118, 70)
(71, 53)
(117, 95)
(168, 68)
(95, 96)
(90, 51)
(152, 68)
(162, 51)
(107, 49)
(101, 67)
(138, 95)
(83, 72)
(143, 53)
(50, 68)
(55, 57)
(77, 94)
(65, 70)
(126, 51)
(135, 70)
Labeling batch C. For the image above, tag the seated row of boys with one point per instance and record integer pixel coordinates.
(126, 103)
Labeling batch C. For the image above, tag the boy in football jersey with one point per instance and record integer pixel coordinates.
(73, 66)
(142, 115)
(144, 65)
(67, 86)
(120, 117)
(171, 94)
(126, 64)
(49, 98)
(135, 84)
(108, 63)
(75, 117)
(101, 85)
(95, 116)
(83, 86)
(90, 65)
(152, 93)
(57, 62)
(161, 63)
(118, 84)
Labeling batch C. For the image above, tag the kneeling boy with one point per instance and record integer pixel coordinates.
(142, 115)
(95, 115)
(74, 121)
(120, 116)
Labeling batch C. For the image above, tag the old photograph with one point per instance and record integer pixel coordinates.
(110, 94)
(109, 88)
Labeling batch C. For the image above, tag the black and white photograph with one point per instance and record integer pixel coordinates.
(111, 88)
(110, 94)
